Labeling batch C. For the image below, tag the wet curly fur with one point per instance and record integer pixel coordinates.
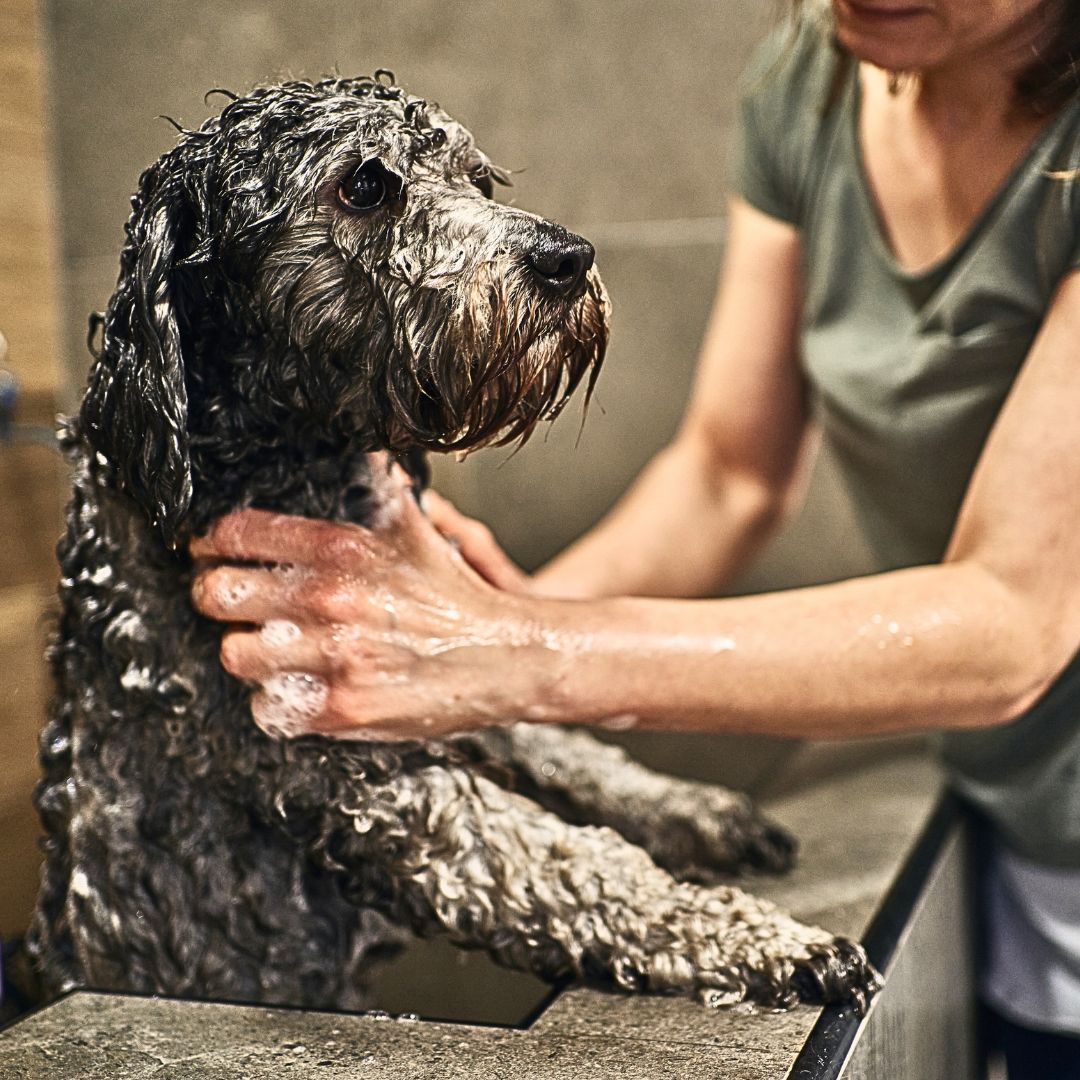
(316, 283)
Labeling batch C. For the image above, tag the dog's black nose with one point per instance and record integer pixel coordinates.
(560, 260)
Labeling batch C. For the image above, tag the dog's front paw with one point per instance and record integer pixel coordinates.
(834, 973)
(837, 973)
(702, 832)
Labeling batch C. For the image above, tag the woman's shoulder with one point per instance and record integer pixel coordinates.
(793, 70)
(793, 91)
(1049, 191)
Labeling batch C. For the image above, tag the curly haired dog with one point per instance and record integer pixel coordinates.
(316, 284)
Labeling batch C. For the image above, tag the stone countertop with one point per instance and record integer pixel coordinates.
(859, 811)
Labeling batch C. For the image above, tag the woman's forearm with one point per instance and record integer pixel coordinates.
(934, 647)
(705, 505)
(684, 529)
(387, 634)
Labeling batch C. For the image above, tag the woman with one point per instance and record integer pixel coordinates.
(901, 259)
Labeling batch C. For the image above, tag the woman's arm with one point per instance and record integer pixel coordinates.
(971, 642)
(704, 506)
(403, 639)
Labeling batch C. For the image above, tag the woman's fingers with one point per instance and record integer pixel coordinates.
(290, 704)
(280, 645)
(258, 536)
(261, 536)
(248, 594)
(358, 633)
(443, 514)
(476, 543)
(244, 594)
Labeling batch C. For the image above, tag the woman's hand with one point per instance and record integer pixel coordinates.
(477, 545)
(366, 633)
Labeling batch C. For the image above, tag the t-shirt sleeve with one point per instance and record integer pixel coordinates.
(780, 108)
(757, 173)
(1069, 178)
(1057, 239)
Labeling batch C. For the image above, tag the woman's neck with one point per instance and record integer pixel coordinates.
(978, 87)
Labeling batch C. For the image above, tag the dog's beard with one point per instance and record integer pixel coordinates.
(474, 359)
(508, 359)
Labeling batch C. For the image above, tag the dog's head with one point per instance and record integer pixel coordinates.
(330, 254)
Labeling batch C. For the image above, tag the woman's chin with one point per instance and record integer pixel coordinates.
(900, 48)
(889, 56)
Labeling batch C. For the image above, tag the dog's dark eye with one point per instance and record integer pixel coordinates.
(369, 186)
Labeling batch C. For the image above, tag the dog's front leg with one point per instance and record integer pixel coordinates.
(447, 851)
(694, 830)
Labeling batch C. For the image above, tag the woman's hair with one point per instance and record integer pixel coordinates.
(1052, 77)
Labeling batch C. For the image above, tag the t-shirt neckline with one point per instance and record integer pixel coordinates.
(932, 273)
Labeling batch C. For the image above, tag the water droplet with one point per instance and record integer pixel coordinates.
(718, 999)
(622, 722)
(230, 596)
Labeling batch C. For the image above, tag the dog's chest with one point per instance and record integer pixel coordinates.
(307, 476)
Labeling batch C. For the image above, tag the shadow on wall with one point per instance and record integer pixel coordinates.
(617, 122)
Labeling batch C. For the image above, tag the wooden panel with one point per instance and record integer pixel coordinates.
(23, 626)
(28, 281)
(31, 477)
(30, 518)
(19, 240)
(18, 30)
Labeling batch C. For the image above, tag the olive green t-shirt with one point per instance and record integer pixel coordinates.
(909, 370)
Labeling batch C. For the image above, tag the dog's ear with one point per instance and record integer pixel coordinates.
(134, 414)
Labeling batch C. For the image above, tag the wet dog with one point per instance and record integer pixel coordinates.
(317, 285)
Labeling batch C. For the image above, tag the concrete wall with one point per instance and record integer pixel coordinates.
(617, 115)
